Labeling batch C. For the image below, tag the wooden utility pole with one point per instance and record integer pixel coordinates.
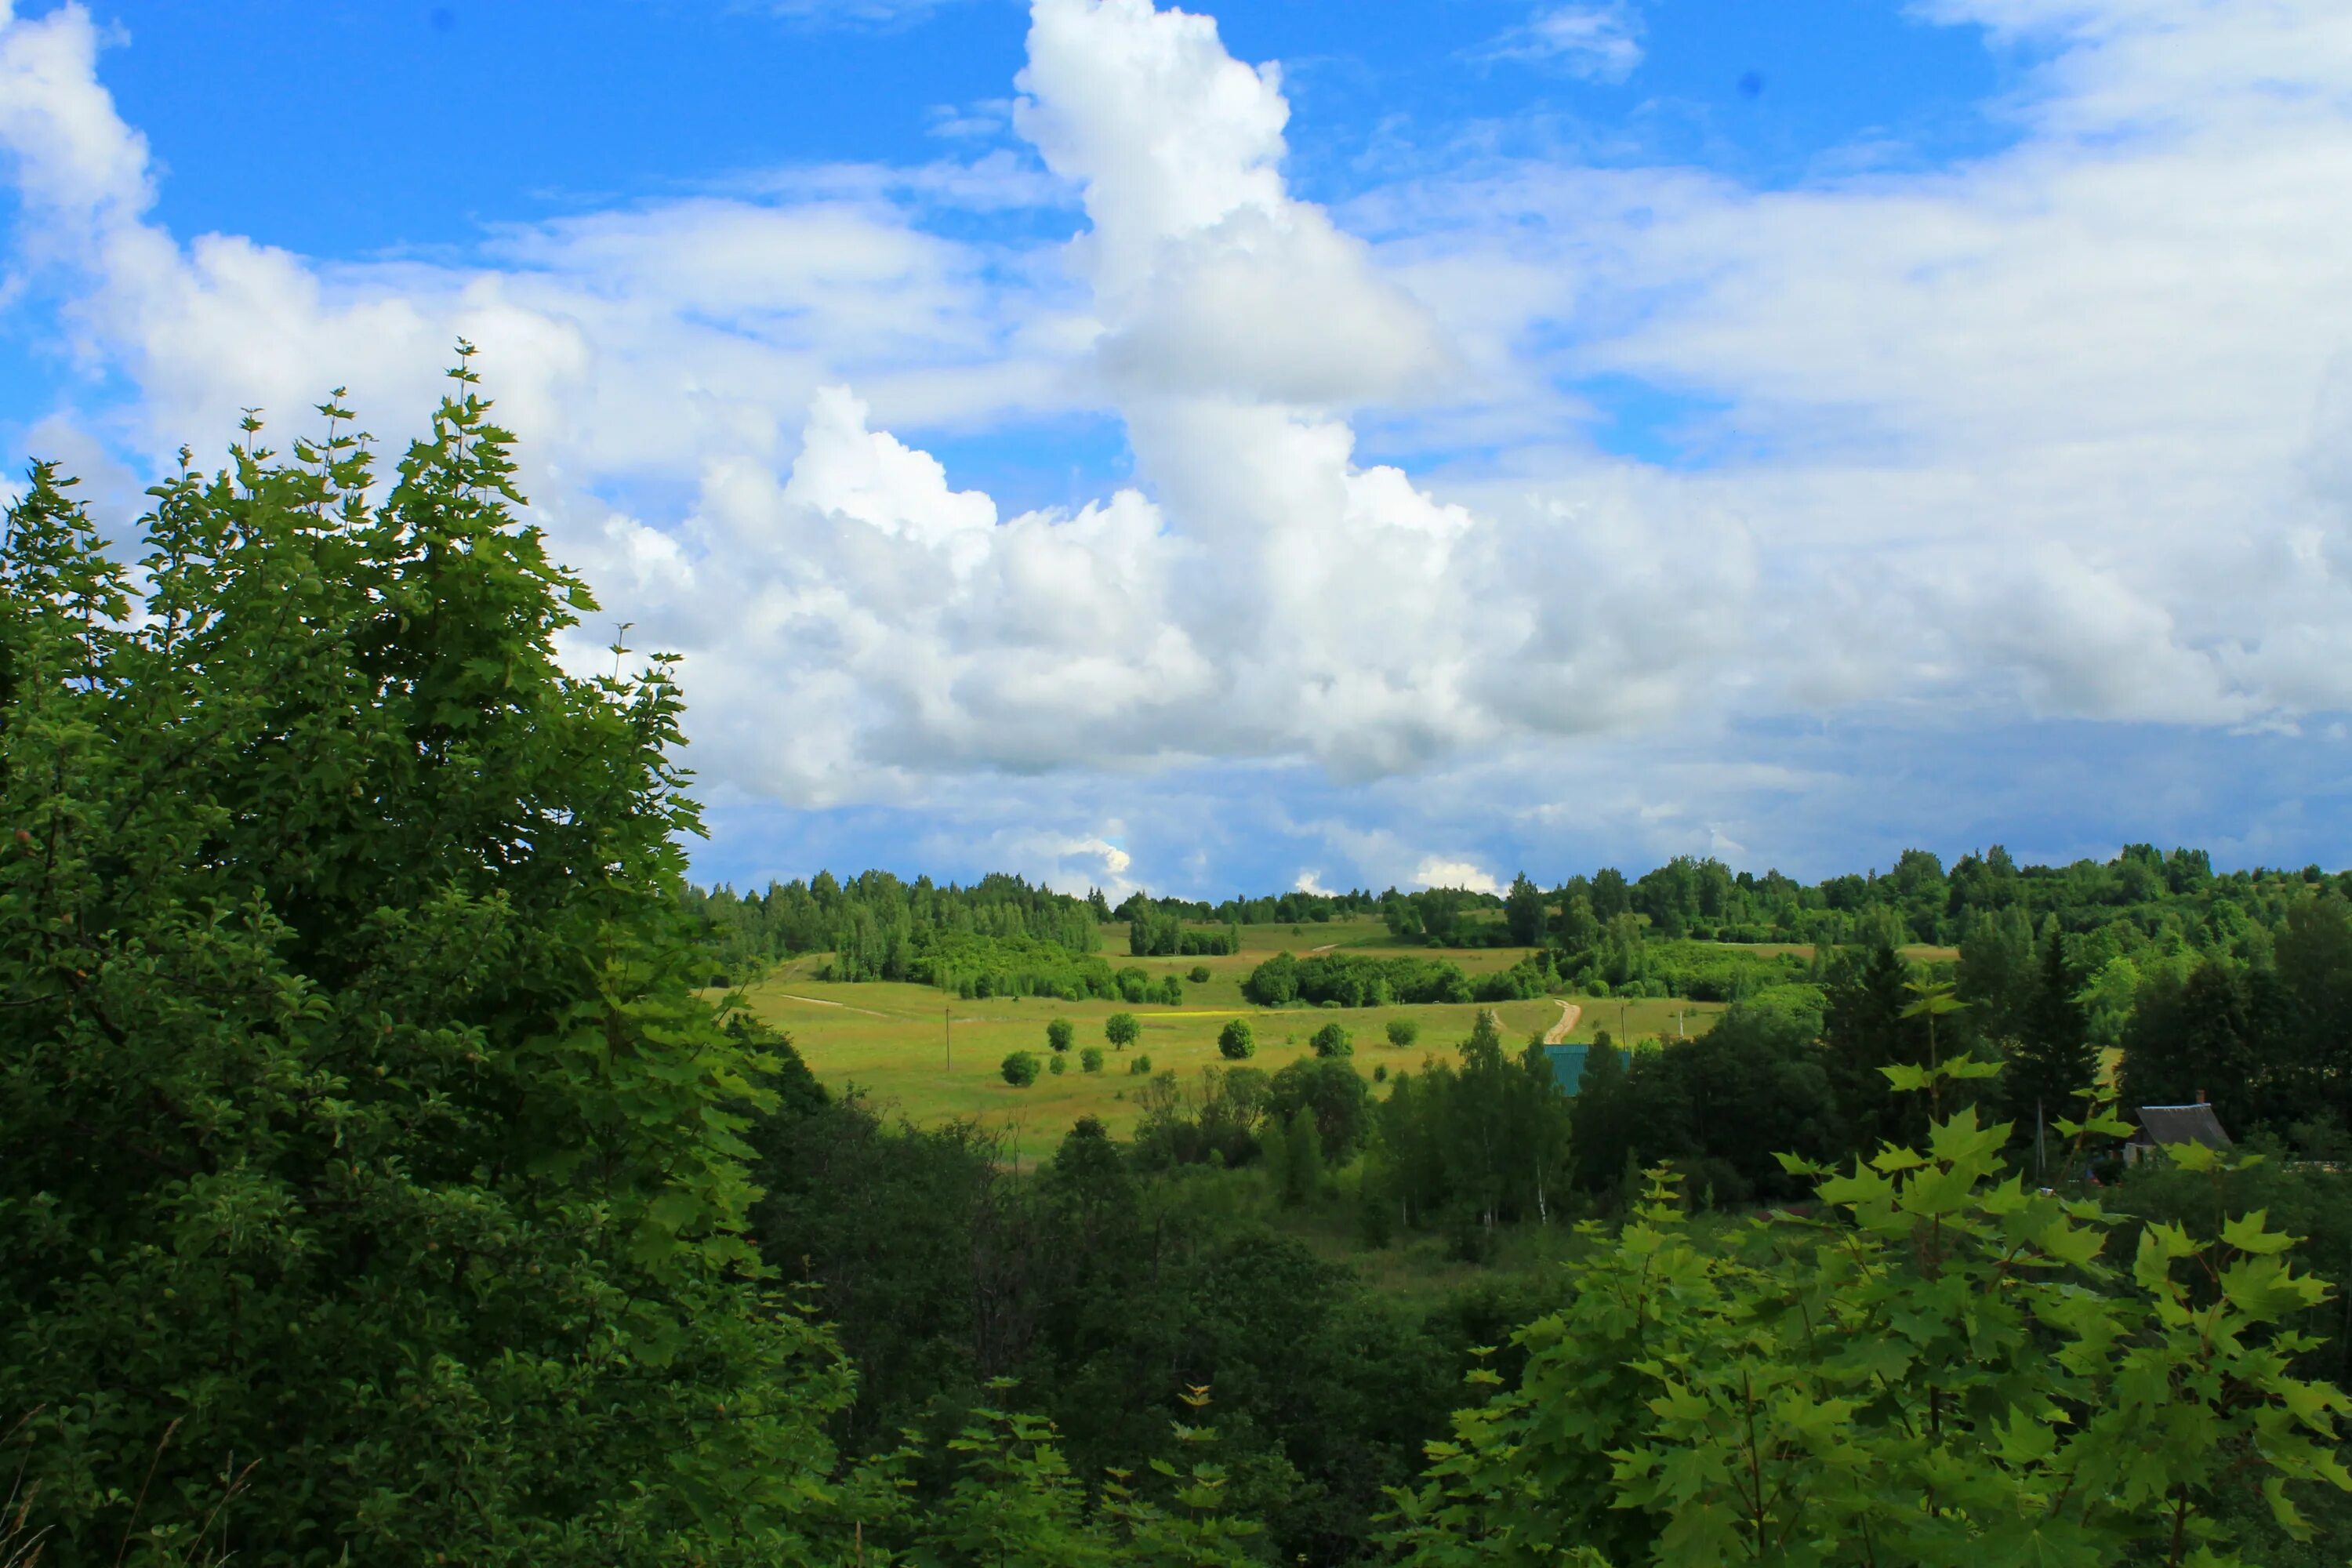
(947, 1022)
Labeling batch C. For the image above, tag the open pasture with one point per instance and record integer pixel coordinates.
(932, 1058)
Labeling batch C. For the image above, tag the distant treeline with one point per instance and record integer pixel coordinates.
(1607, 933)
(1623, 961)
(1917, 902)
(870, 923)
(1280, 908)
(983, 967)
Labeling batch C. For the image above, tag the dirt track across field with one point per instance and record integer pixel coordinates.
(821, 1002)
(1569, 1014)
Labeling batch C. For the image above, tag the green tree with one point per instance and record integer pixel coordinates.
(365, 1136)
(1404, 1032)
(1059, 1035)
(1329, 1090)
(1950, 1371)
(1301, 1167)
(1333, 1040)
(1090, 1058)
(1580, 927)
(2052, 1062)
(1121, 1030)
(1237, 1042)
(1864, 1032)
(1523, 913)
(1019, 1069)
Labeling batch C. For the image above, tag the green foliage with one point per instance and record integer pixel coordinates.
(1059, 1035)
(1523, 913)
(1198, 974)
(1354, 980)
(1090, 1058)
(1019, 1069)
(1720, 1108)
(1481, 1143)
(1237, 1042)
(874, 924)
(1157, 931)
(1121, 1030)
(1107, 1295)
(1140, 1066)
(1404, 1032)
(1058, 1064)
(1951, 1369)
(1299, 1161)
(374, 1180)
(1333, 1040)
(974, 965)
(1328, 1093)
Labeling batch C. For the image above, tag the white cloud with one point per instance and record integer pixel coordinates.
(1311, 882)
(1602, 42)
(1436, 871)
(2055, 433)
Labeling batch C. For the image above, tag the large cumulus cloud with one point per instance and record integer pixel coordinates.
(2054, 434)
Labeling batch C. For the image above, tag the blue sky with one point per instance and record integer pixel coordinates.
(1341, 443)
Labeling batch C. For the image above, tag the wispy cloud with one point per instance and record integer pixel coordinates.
(1599, 43)
(847, 13)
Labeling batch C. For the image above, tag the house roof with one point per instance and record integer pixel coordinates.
(2181, 1124)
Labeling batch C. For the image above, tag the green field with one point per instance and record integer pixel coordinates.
(894, 1042)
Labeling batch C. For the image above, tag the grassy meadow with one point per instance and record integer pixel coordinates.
(934, 1057)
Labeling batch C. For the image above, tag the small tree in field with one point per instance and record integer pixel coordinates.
(1140, 1066)
(1333, 1040)
(1058, 1035)
(1402, 1032)
(1020, 1068)
(1057, 1066)
(1237, 1042)
(1090, 1058)
(1199, 974)
(1122, 1029)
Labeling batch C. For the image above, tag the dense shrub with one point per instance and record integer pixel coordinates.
(1353, 980)
(982, 966)
(1235, 1041)
(1020, 1068)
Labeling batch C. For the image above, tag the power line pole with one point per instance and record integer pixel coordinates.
(946, 1023)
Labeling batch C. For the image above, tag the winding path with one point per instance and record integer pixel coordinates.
(1569, 1014)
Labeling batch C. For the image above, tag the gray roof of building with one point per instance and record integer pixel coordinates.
(2183, 1124)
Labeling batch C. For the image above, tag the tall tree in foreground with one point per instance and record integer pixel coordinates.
(371, 1182)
